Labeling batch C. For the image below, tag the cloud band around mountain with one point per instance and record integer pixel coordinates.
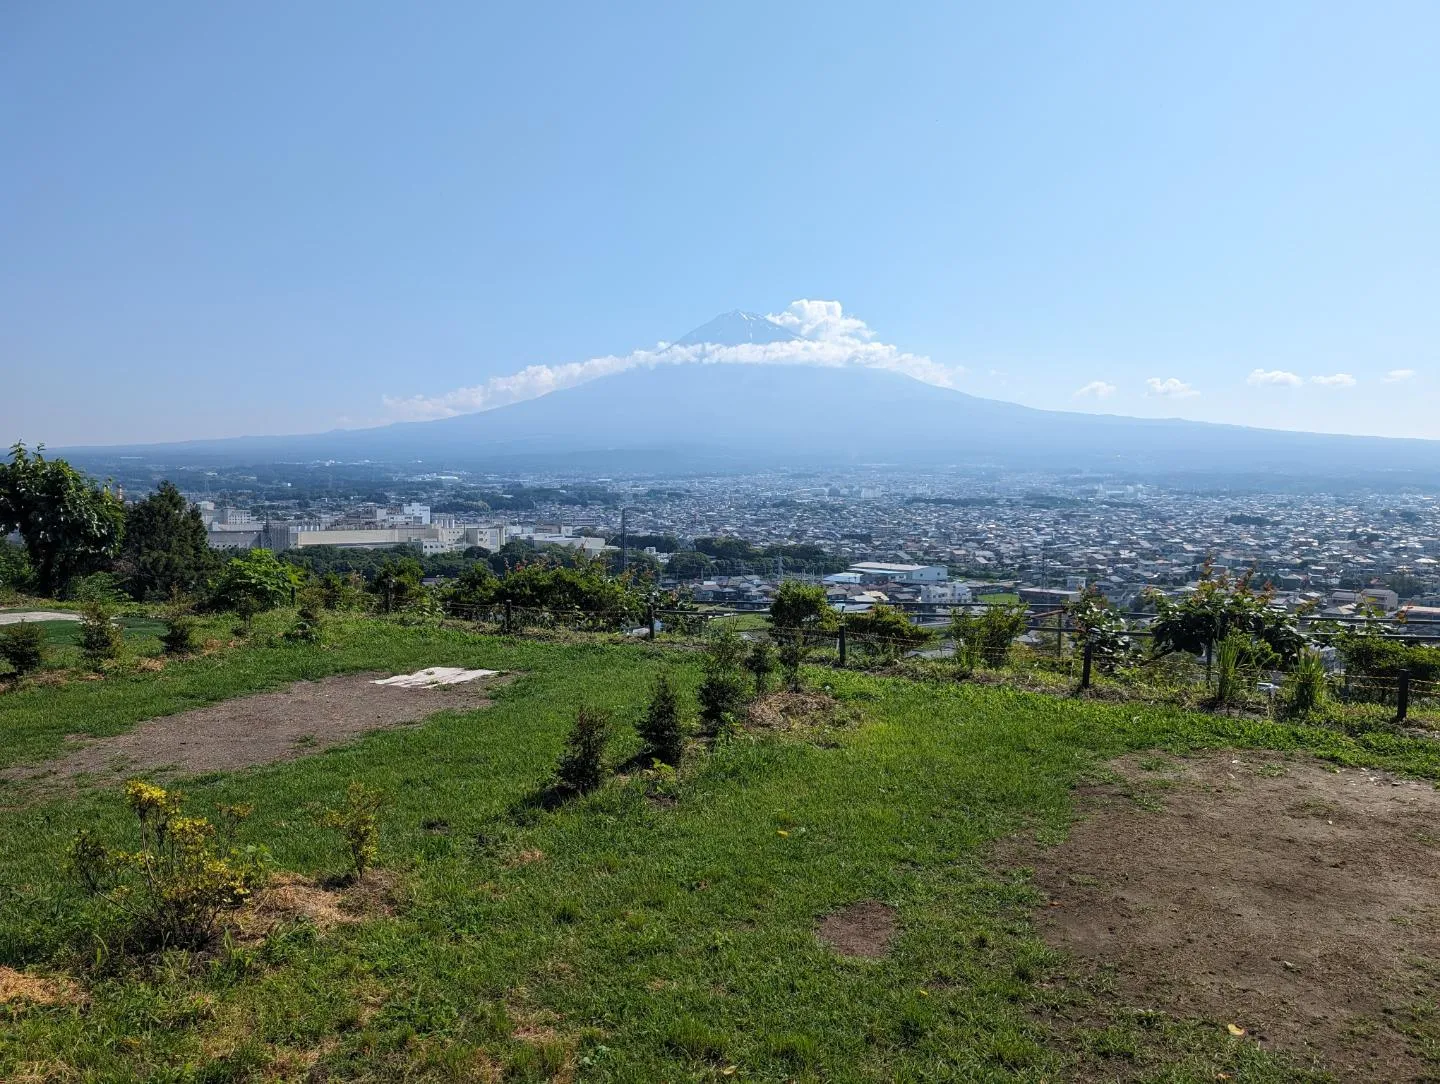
(831, 338)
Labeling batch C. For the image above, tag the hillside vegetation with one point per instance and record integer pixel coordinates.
(661, 927)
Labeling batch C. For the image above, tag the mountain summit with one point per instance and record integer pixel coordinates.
(737, 328)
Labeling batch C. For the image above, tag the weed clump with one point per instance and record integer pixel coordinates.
(1306, 688)
(356, 820)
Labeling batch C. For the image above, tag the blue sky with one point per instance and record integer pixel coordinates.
(263, 218)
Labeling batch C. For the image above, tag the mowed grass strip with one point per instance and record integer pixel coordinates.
(617, 938)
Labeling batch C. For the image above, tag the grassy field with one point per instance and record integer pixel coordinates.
(614, 938)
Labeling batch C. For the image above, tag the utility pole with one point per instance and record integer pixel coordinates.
(624, 541)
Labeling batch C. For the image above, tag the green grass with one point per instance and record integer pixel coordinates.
(651, 943)
(999, 598)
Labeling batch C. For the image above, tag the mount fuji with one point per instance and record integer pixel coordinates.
(710, 412)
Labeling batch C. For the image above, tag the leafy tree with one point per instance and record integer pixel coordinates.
(397, 583)
(661, 729)
(689, 565)
(254, 582)
(166, 547)
(802, 606)
(1102, 627)
(68, 523)
(1217, 607)
(15, 571)
(886, 631)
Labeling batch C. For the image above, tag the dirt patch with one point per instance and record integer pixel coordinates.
(1284, 897)
(261, 729)
(17, 987)
(288, 897)
(862, 929)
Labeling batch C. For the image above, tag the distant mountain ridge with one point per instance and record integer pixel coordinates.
(710, 414)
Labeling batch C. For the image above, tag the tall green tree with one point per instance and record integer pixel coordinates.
(69, 524)
(166, 548)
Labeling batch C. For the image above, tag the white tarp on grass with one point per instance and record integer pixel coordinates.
(435, 675)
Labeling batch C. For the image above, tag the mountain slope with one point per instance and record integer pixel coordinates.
(706, 414)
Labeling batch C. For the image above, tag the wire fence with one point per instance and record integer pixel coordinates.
(1050, 649)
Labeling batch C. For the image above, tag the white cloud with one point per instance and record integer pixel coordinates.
(1395, 376)
(1097, 389)
(834, 340)
(1170, 388)
(824, 320)
(1338, 380)
(1274, 378)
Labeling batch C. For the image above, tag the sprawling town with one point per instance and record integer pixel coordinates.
(930, 537)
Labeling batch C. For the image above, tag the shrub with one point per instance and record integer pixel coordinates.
(761, 664)
(22, 645)
(184, 874)
(722, 692)
(355, 821)
(582, 764)
(887, 632)
(1306, 688)
(793, 652)
(1102, 628)
(988, 635)
(181, 635)
(253, 583)
(661, 728)
(100, 637)
(1217, 607)
(309, 627)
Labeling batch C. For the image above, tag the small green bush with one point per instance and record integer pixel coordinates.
(22, 645)
(794, 650)
(661, 729)
(582, 764)
(989, 635)
(182, 634)
(101, 639)
(723, 689)
(356, 822)
(761, 664)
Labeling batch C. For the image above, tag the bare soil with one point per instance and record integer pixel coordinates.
(862, 929)
(304, 718)
(1285, 897)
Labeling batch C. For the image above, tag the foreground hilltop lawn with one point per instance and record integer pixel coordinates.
(840, 894)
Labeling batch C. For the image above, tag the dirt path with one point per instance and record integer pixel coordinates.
(261, 729)
(1294, 900)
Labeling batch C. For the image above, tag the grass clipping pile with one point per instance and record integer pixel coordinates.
(1287, 901)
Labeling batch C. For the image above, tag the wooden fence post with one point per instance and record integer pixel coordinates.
(841, 646)
(1085, 667)
(509, 617)
(1402, 697)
